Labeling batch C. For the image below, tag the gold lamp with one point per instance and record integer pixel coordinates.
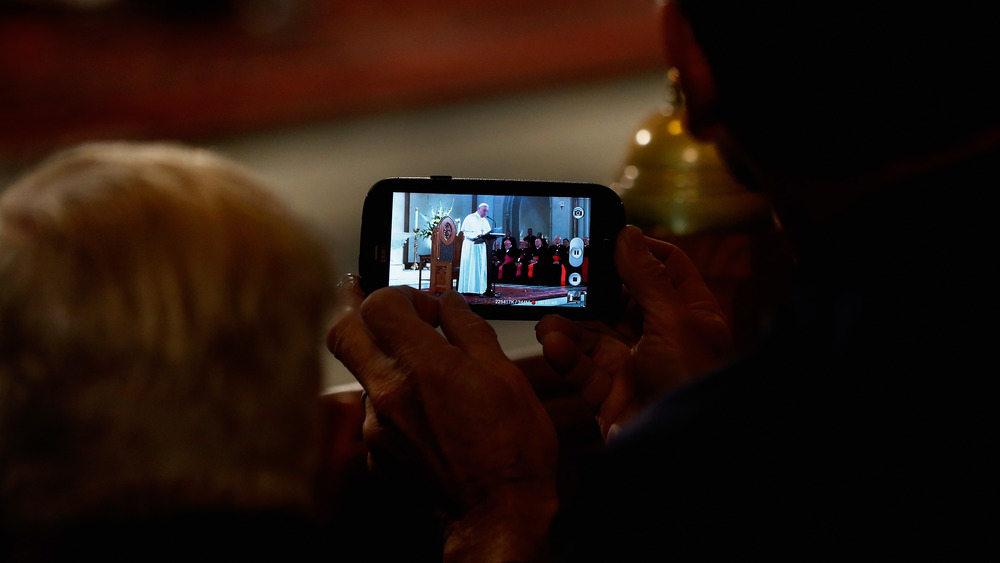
(674, 185)
(676, 188)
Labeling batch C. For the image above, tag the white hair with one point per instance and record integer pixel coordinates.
(160, 324)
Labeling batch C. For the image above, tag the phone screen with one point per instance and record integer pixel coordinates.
(515, 249)
(504, 250)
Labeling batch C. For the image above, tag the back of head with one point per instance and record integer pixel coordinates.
(160, 325)
(838, 89)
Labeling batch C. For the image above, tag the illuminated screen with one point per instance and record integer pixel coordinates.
(512, 250)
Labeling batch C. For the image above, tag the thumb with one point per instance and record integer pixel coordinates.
(646, 277)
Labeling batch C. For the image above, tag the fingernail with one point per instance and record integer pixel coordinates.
(348, 281)
(634, 237)
(347, 295)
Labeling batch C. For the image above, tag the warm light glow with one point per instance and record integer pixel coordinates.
(679, 224)
(631, 172)
(686, 196)
(643, 137)
(690, 155)
(675, 127)
(683, 180)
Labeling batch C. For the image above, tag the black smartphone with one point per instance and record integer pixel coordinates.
(515, 249)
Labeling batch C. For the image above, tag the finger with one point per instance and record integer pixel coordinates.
(563, 344)
(619, 402)
(389, 452)
(372, 428)
(353, 338)
(348, 298)
(579, 351)
(350, 341)
(684, 276)
(643, 273)
(342, 416)
(383, 440)
(560, 349)
(347, 337)
(424, 304)
(603, 376)
(701, 306)
(585, 334)
(681, 267)
(555, 323)
(628, 325)
(468, 331)
(592, 380)
(401, 321)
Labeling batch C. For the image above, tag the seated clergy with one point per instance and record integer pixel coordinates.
(540, 269)
(507, 270)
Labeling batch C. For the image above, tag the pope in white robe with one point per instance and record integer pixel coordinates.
(472, 270)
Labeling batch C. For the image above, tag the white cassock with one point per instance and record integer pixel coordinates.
(472, 272)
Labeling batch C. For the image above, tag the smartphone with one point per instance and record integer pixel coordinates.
(515, 249)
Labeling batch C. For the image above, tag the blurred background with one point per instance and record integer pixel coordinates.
(325, 97)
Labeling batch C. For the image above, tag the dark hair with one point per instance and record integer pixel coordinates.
(829, 86)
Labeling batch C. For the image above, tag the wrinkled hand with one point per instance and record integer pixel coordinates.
(673, 331)
(453, 407)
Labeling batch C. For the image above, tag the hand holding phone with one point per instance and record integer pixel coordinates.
(673, 331)
(438, 387)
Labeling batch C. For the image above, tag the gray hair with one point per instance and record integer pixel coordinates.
(160, 324)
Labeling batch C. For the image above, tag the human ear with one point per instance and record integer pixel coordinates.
(696, 78)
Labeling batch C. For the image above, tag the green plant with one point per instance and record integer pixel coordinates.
(431, 222)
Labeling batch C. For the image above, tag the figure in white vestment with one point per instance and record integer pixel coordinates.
(472, 271)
